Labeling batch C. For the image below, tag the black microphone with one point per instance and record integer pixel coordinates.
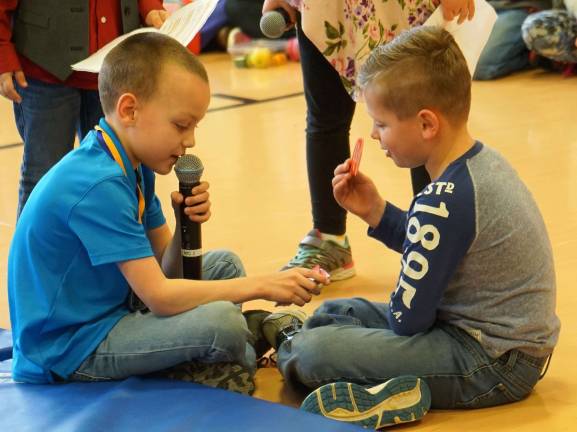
(188, 169)
(273, 23)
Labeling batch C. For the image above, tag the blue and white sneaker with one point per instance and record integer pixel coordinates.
(399, 400)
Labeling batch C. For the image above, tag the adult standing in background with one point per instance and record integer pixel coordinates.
(39, 40)
(335, 38)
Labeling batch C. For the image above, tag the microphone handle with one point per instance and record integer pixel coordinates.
(191, 243)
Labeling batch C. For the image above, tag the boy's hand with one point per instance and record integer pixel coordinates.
(7, 85)
(197, 206)
(464, 9)
(294, 286)
(156, 18)
(357, 194)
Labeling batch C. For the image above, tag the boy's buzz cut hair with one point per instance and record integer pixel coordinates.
(422, 68)
(135, 64)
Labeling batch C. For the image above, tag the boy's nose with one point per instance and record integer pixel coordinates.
(188, 142)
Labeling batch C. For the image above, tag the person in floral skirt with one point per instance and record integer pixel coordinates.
(335, 38)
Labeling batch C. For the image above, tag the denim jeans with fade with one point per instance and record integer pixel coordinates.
(350, 340)
(143, 343)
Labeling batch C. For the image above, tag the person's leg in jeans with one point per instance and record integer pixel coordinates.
(350, 340)
(46, 120)
(143, 343)
(505, 51)
(90, 112)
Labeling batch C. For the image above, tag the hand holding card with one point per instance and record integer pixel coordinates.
(356, 158)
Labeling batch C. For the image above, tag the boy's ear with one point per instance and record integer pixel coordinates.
(430, 123)
(126, 108)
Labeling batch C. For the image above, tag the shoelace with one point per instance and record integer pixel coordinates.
(313, 255)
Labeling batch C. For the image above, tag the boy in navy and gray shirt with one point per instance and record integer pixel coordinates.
(473, 312)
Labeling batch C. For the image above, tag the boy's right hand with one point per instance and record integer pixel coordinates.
(357, 194)
(293, 286)
(7, 85)
(197, 206)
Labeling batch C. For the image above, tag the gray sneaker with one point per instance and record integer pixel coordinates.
(330, 256)
(281, 326)
(228, 376)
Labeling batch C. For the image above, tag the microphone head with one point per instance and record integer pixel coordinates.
(273, 24)
(188, 169)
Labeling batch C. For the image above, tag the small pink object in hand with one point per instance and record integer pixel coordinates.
(322, 271)
(356, 159)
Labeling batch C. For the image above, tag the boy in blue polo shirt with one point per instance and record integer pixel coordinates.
(93, 229)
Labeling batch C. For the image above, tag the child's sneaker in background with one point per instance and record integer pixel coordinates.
(236, 37)
(331, 256)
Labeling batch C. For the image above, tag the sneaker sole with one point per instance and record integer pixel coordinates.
(227, 376)
(342, 273)
(399, 400)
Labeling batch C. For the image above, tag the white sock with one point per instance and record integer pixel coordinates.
(338, 239)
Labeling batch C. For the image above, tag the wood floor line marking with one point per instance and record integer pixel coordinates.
(242, 102)
(248, 102)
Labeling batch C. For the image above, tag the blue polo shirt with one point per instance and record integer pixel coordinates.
(64, 287)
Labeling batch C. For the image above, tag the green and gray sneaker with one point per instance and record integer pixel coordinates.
(281, 326)
(313, 250)
(227, 376)
(399, 400)
(254, 320)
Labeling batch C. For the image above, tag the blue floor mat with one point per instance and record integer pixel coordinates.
(138, 404)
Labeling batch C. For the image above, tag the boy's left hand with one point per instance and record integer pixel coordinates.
(197, 206)
(156, 18)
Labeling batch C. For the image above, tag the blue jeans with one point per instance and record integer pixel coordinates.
(350, 340)
(47, 120)
(142, 343)
(505, 51)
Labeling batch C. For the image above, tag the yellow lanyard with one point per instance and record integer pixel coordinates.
(113, 151)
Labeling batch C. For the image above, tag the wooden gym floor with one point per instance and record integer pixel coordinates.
(252, 146)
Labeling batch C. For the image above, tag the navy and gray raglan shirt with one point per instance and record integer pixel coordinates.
(476, 255)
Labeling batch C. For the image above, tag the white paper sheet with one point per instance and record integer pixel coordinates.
(182, 25)
(471, 36)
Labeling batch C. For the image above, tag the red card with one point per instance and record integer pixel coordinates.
(356, 159)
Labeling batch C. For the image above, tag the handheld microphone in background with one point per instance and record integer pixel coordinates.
(273, 23)
(188, 170)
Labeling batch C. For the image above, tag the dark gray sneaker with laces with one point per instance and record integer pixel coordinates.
(329, 255)
(283, 325)
(227, 376)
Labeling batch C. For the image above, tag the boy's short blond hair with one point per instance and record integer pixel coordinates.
(422, 68)
(134, 66)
